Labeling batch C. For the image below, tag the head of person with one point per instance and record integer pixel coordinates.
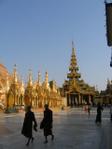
(28, 108)
(46, 106)
(99, 104)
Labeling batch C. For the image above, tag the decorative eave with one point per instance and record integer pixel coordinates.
(73, 75)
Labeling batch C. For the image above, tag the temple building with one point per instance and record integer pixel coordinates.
(75, 89)
(105, 96)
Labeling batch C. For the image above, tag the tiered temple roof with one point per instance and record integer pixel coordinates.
(75, 84)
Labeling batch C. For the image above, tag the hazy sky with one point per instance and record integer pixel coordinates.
(38, 34)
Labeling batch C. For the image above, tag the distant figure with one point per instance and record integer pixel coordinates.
(85, 107)
(28, 124)
(46, 123)
(89, 109)
(62, 108)
(111, 112)
(99, 113)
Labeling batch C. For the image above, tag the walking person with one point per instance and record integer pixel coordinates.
(29, 124)
(89, 109)
(99, 113)
(47, 123)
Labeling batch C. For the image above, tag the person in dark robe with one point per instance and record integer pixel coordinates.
(29, 124)
(99, 113)
(89, 109)
(47, 123)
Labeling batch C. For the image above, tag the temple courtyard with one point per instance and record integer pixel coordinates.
(73, 129)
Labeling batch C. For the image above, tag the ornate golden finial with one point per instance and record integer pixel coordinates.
(46, 77)
(73, 50)
(15, 73)
(30, 77)
(46, 83)
(72, 44)
(39, 78)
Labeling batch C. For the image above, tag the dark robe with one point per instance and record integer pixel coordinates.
(99, 113)
(28, 124)
(46, 123)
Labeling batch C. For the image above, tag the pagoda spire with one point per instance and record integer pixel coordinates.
(46, 77)
(46, 83)
(39, 78)
(108, 84)
(108, 81)
(30, 78)
(73, 50)
(15, 74)
(73, 68)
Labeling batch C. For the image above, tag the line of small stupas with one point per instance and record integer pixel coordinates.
(14, 93)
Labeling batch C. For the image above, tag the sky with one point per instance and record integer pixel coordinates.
(38, 35)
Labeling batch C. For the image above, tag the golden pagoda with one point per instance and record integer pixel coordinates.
(14, 92)
(75, 89)
(28, 94)
(38, 94)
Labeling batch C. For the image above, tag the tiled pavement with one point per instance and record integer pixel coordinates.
(73, 129)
